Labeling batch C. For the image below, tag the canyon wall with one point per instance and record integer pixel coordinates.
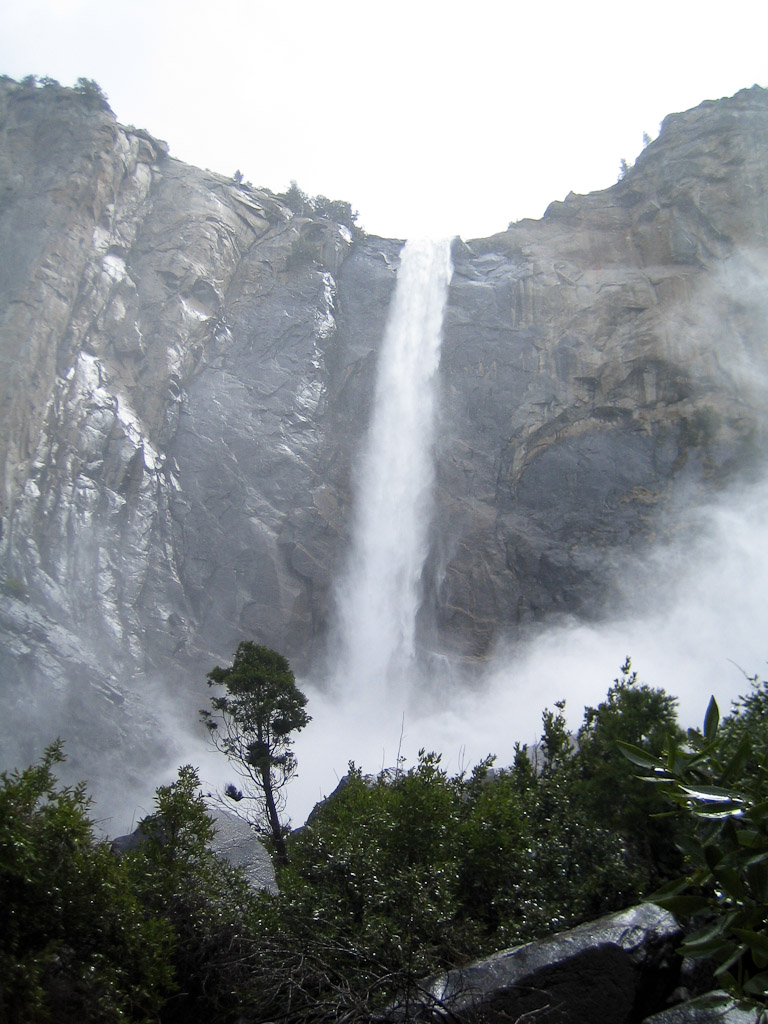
(187, 372)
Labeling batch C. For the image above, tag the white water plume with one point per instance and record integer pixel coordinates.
(692, 617)
(379, 598)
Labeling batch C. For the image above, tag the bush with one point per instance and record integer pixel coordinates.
(719, 788)
(164, 933)
(14, 587)
(207, 904)
(337, 210)
(609, 791)
(393, 878)
(92, 93)
(414, 871)
(74, 941)
(303, 252)
(296, 200)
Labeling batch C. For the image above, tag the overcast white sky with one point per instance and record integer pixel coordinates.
(429, 117)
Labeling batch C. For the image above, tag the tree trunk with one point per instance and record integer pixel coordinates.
(281, 854)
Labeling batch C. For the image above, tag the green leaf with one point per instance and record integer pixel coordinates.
(730, 880)
(637, 756)
(715, 948)
(739, 758)
(757, 941)
(696, 740)
(757, 877)
(758, 945)
(692, 847)
(757, 985)
(749, 837)
(684, 905)
(672, 888)
(712, 855)
(711, 933)
(719, 811)
(730, 955)
(711, 719)
(713, 794)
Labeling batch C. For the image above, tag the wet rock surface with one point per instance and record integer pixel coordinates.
(619, 969)
(713, 1008)
(188, 370)
(615, 969)
(234, 841)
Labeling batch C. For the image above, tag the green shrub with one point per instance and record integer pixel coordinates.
(92, 93)
(609, 792)
(392, 879)
(164, 933)
(413, 871)
(207, 905)
(74, 941)
(296, 200)
(337, 210)
(303, 252)
(720, 790)
(14, 587)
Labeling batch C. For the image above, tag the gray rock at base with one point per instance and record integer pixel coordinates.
(713, 1008)
(234, 841)
(613, 970)
(237, 843)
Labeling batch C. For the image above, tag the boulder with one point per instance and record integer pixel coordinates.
(713, 1008)
(611, 971)
(235, 842)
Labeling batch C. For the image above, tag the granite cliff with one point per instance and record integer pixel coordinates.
(187, 371)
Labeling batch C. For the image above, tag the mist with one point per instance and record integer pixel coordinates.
(689, 609)
(691, 615)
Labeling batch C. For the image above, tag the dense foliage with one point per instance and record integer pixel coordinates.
(337, 210)
(392, 878)
(87, 90)
(718, 781)
(425, 870)
(74, 942)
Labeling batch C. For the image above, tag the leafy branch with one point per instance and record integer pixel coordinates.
(726, 846)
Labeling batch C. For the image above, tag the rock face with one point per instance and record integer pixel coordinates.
(187, 372)
(592, 360)
(622, 969)
(234, 841)
(616, 969)
(714, 1008)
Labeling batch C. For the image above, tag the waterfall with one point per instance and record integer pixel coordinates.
(379, 597)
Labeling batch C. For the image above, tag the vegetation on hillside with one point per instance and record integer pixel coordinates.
(337, 210)
(86, 89)
(392, 878)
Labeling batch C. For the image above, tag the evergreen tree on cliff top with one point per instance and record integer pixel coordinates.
(252, 724)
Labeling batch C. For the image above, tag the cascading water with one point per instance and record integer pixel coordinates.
(379, 597)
